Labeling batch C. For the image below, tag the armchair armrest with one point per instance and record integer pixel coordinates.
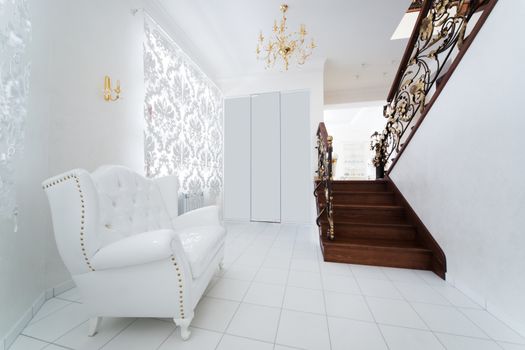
(205, 216)
(135, 250)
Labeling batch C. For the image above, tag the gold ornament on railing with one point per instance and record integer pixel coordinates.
(284, 46)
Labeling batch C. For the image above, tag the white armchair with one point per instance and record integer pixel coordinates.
(129, 253)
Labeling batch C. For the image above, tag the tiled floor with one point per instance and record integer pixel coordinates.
(276, 293)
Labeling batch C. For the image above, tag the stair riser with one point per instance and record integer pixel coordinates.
(364, 198)
(373, 232)
(359, 187)
(378, 257)
(370, 216)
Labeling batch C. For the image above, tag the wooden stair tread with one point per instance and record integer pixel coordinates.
(377, 243)
(370, 224)
(368, 206)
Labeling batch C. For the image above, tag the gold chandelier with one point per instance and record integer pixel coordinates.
(284, 46)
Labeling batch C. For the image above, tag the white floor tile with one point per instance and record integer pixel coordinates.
(379, 288)
(230, 342)
(509, 346)
(368, 272)
(493, 327)
(214, 314)
(348, 306)
(455, 297)
(78, 338)
(455, 342)
(55, 347)
(331, 268)
(200, 340)
(349, 334)
(310, 265)
(282, 263)
(142, 334)
(395, 313)
(301, 299)
(242, 273)
(340, 283)
(303, 330)
(50, 306)
(447, 320)
(420, 292)
(401, 275)
(305, 279)
(431, 278)
(282, 347)
(72, 295)
(26, 343)
(273, 276)
(265, 294)
(229, 289)
(325, 306)
(255, 322)
(58, 323)
(399, 338)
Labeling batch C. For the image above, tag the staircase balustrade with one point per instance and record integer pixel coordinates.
(324, 179)
(443, 32)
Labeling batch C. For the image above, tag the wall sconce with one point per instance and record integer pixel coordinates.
(108, 92)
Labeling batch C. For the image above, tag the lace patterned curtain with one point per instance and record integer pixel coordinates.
(15, 34)
(184, 113)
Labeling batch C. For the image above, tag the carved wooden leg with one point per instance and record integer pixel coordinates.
(94, 323)
(184, 324)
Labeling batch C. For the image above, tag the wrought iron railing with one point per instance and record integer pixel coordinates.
(443, 32)
(324, 181)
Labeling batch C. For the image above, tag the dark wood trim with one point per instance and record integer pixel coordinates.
(408, 51)
(445, 78)
(439, 261)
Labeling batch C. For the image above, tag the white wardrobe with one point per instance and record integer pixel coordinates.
(267, 157)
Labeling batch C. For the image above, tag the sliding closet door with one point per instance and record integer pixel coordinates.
(237, 158)
(266, 157)
(296, 176)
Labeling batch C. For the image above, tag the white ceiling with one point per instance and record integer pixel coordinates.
(353, 36)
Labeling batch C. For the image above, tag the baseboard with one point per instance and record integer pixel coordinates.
(27, 316)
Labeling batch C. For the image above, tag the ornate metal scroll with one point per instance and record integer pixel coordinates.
(440, 33)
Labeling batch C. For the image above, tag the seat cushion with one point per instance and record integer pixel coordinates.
(200, 244)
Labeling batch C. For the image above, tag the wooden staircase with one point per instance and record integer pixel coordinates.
(374, 225)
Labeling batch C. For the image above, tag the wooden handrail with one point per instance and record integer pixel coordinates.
(408, 50)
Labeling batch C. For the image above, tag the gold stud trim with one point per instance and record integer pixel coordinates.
(181, 293)
(82, 213)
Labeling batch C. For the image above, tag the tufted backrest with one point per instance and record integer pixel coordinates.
(128, 204)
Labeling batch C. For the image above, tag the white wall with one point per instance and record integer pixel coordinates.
(463, 170)
(22, 257)
(286, 81)
(75, 43)
(353, 123)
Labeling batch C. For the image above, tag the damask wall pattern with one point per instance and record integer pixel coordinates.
(15, 35)
(184, 117)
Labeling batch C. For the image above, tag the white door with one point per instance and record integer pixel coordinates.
(266, 157)
(237, 158)
(296, 174)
